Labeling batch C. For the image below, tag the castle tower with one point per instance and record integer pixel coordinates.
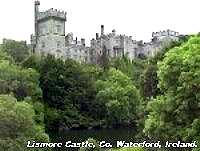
(50, 31)
(34, 37)
(36, 7)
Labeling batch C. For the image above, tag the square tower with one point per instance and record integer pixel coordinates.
(50, 31)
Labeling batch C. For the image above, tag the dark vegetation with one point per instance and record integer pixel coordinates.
(158, 96)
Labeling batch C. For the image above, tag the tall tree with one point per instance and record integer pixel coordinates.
(21, 82)
(17, 125)
(175, 114)
(149, 79)
(67, 90)
(117, 98)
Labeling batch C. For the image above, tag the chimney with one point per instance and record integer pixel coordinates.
(114, 32)
(102, 29)
(76, 40)
(83, 41)
(153, 34)
(97, 36)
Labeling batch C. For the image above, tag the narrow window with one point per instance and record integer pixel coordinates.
(58, 28)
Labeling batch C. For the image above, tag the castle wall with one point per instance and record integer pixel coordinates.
(51, 39)
(129, 47)
(78, 53)
(44, 28)
(51, 44)
(51, 26)
(116, 45)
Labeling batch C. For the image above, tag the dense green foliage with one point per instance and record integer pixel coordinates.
(17, 125)
(117, 98)
(149, 80)
(132, 69)
(66, 91)
(148, 84)
(159, 97)
(21, 109)
(20, 82)
(175, 114)
(17, 50)
(83, 96)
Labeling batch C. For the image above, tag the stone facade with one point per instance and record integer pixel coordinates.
(76, 50)
(118, 45)
(115, 45)
(50, 38)
(159, 39)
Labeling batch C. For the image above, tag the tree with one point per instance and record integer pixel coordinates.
(18, 50)
(117, 98)
(133, 68)
(148, 82)
(62, 82)
(149, 79)
(175, 115)
(21, 82)
(33, 61)
(17, 125)
(5, 56)
(67, 91)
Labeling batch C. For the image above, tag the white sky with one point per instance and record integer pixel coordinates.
(136, 18)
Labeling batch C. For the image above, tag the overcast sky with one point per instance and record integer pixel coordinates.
(136, 18)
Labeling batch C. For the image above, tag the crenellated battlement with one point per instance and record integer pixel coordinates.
(165, 33)
(37, 2)
(50, 38)
(52, 13)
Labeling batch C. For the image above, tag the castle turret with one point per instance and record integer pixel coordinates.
(102, 29)
(34, 39)
(36, 7)
(69, 39)
(83, 41)
(97, 36)
(92, 42)
(114, 32)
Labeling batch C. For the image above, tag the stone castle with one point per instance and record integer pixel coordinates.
(50, 38)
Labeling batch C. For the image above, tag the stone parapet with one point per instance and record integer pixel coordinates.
(52, 13)
(165, 33)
